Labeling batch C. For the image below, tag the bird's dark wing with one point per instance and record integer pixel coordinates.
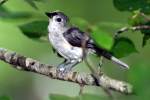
(75, 36)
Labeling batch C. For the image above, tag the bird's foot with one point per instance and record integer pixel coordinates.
(62, 71)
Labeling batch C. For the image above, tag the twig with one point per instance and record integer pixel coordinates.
(134, 28)
(81, 89)
(28, 64)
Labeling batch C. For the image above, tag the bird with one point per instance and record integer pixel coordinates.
(67, 40)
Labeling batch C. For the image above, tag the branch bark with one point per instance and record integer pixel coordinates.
(28, 64)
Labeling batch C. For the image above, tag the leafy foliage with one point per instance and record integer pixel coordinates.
(61, 97)
(102, 38)
(137, 19)
(112, 25)
(2, 1)
(79, 22)
(4, 98)
(146, 34)
(35, 29)
(132, 5)
(32, 3)
(140, 10)
(138, 75)
(123, 47)
(90, 97)
(5, 14)
(82, 97)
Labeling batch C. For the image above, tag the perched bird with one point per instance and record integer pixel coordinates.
(67, 41)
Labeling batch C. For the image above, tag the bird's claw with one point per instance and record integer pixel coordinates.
(62, 71)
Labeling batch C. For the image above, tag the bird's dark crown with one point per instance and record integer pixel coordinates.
(52, 14)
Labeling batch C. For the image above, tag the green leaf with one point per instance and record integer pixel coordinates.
(145, 39)
(111, 27)
(146, 33)
(4, 98)
(19, 15)
(123, 47)
(61, 97)
(132, 5)
(5, 14)
(101, 38)
(35, 29)
(2, 2)
(79, 22)
(111, 24)
(138, 76)
(3, 11)
(137, 19)
(32, 3)
(82, 97)
(92, 97)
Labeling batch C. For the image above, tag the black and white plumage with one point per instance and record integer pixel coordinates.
(68, 42)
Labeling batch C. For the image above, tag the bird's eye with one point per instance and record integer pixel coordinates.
(58, 19)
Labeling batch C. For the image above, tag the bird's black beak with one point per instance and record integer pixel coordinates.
(50, 15)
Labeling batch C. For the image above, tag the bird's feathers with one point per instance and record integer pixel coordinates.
(76, 37)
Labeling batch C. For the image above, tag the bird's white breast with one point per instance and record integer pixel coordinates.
(62, 46)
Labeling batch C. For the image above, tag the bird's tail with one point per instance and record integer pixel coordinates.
(109, 56)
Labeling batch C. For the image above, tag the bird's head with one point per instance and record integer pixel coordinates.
(57, 18)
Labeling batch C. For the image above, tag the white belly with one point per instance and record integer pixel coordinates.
(64, 48)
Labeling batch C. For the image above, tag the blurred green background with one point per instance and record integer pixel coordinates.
(29, 86)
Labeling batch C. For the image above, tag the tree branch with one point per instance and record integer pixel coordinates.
(134, 28)
(28, 64)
